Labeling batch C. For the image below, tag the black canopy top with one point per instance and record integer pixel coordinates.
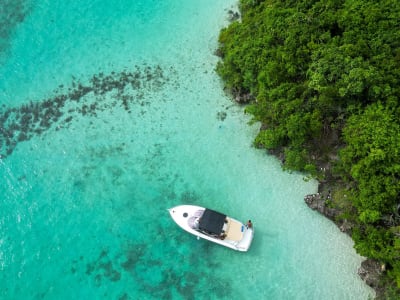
(212, 221)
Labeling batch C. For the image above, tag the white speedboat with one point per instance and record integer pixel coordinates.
(213, 226)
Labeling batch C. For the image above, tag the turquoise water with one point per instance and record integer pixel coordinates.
(110, 113)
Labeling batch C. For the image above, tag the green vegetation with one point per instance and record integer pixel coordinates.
(324, 79)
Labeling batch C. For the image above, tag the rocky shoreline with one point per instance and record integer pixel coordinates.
(370, 271)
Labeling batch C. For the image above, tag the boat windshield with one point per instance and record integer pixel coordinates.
(195, 219)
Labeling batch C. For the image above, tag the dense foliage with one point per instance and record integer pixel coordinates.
(325, 79)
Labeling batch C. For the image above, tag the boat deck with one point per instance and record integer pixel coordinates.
(233, 230)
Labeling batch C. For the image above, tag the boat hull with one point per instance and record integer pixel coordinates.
(237, 237)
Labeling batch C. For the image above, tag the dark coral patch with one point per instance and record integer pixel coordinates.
(125, 88)
(12, 13)
(103, 268)
(221, 115)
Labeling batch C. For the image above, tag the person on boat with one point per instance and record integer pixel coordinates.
(249, 224)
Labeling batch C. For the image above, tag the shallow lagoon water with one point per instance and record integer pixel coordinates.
(112, 113)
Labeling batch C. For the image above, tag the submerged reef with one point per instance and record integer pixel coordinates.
(12, 13)
(151, 275)
(125, 88)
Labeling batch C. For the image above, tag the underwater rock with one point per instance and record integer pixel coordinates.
(125, 88)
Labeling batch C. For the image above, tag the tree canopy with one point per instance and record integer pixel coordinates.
(325, 79)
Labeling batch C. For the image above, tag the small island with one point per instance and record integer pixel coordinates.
(323, 80)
